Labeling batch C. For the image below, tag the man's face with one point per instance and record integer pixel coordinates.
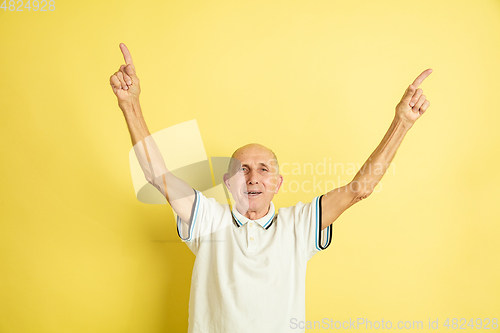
(253, 180)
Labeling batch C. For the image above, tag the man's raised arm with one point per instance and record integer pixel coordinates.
(125, 85)
(412, 106)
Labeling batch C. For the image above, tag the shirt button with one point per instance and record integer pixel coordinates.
(251, 238)
(251, 225)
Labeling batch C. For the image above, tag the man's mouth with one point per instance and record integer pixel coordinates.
(252, 193)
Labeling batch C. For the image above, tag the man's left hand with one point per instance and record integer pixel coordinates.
(413, 104)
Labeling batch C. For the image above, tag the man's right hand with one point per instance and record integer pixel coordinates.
(125, 83)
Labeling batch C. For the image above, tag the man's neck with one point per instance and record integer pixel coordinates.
(253, 214)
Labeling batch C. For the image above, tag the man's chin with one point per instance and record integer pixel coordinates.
(249, 203)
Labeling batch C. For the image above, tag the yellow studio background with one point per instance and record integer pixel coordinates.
(316, 81)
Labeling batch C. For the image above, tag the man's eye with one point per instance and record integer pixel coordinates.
(264, 169)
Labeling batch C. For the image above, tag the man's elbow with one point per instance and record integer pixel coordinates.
(159, 185)
(359, 197)
(359, 191)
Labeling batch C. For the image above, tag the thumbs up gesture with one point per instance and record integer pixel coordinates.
(124, 82)
(413, 104)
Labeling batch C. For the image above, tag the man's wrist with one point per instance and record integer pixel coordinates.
(131, 108)
(403, 122)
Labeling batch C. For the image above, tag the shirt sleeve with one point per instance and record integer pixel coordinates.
(307, 220)
(207, 216)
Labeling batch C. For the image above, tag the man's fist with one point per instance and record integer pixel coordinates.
(124, 82)
(413, 104)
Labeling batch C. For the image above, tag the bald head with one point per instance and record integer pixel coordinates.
(253, 149)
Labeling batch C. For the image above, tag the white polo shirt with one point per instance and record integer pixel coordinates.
(249, 275)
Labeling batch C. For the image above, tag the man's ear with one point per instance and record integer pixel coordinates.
(279, 181)
(226, 180)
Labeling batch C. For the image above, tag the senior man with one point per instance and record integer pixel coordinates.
(250, 267)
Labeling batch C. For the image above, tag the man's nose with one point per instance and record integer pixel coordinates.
(252, 178)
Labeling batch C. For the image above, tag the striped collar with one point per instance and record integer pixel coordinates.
(265, 222)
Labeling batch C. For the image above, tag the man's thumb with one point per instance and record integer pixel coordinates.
(130, 70)
(410, 91)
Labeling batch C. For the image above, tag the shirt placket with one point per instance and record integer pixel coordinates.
(252, 237)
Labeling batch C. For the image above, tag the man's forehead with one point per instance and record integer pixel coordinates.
(254, 154)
